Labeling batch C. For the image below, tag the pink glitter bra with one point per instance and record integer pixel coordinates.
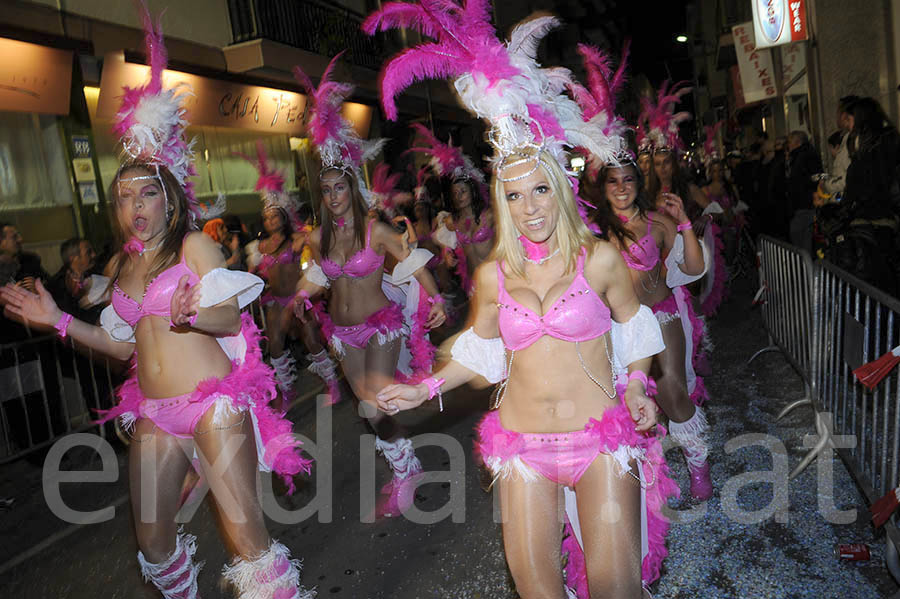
(359, 265)
(268, 260)
(644, 254)
(577, 315)
(157, 300)
(483, 234)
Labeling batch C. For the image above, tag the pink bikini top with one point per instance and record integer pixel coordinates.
(485, 233)
(360, 265)
(644, 254)
(577, 315)
(157, 300)
(268, 261)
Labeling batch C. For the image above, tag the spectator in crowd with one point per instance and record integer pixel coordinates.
(228, 244)
(835, 181)
(71, 285)
(235, 239)
(803, 165)
(16, 265)
(867, 245)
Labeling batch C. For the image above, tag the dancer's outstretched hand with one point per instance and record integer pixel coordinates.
(395, 398)
(642, 409)
(674, 207)
(30, 308)
(185, 302)
(436, 315)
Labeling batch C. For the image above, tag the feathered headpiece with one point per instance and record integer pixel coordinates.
(710, 144)
(598, 99)
(384, 188)
(338, 144)
(449, 161)
(503, 84)
(150, 122)
(658, 122)
(270, 183)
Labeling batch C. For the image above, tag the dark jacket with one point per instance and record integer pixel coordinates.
(871, 190)
(803, 163)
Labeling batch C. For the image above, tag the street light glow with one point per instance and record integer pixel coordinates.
(681, 38)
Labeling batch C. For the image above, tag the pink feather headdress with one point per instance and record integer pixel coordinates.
(150, 122)
(503, 84)
(658, 128)
(598, 99)
(449, 161)
(270, 183)
(338, 144)
(710, 144)
(384, 188)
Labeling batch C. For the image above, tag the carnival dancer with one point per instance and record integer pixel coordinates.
(561, 303)
(364, 328)
(468, 230)
(644, 236)
(275, 258)
(199, 384)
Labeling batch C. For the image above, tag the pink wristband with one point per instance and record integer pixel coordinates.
(434, 388)
(62, 325)
(640, 376)
(684, 226)
(436, 299)
(306, 302)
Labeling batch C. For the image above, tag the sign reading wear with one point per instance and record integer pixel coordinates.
(208, 101)
(34, 78)
(755, 64)
(777, 22)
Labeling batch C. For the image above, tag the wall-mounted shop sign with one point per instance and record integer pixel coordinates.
(755, 64)
(777, 22)
(34, 78)
(211, 102)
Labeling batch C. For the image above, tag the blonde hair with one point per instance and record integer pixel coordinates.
(571, 232)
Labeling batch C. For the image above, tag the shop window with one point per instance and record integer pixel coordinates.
(33, 168)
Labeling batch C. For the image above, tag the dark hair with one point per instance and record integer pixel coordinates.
(305, 213)
(846, 103)
(233, 223)
(834, 140)
(594, 191)
(478, 203)
(680, 184)
(69, 249)
(360, 214)
(869, 121)
(180, 223)
(287, 229)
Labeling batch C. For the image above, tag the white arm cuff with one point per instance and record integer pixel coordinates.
(482, 356)
(221, 284)
(713, 208)
(97, 293)
(443, 236)
(674, 275)
(408, 267)
(253, 257)
(115, 326)
(638, 338)
(315, 275)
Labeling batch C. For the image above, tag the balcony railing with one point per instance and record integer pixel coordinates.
(324, 30)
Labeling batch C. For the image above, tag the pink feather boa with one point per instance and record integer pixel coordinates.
(250, 384)
(420, 346)
(698, 330)
(718, 292)
(614, 429)
(462, 269)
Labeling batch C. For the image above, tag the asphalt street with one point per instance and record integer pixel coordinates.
(755, 538)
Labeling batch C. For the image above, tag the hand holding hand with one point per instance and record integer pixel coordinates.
(394, 398)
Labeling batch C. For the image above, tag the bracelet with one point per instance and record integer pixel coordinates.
(62, 325)
(436, 299)
(306, 301)
(434, 388)
(684, 226)
(640, 376)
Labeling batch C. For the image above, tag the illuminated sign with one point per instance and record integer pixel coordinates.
(777, 22)
(34, 78)
(755, 64)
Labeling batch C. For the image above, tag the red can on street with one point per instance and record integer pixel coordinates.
(853, 552)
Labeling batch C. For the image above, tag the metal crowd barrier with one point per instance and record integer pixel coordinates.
(786, 276)
(49, 390)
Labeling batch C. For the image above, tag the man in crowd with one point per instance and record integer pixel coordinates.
(834, 183)
(17, 266)
(71, 284)
(803, 164)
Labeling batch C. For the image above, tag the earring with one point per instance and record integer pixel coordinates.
(169, 210)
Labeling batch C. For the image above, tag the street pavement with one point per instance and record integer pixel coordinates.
(737, 545)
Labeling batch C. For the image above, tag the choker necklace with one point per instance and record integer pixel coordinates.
(136, 246)
(536, 253)
(341, 222)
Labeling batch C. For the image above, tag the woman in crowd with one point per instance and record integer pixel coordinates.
(198, 375)
(276, 258)
(364, 328)
(554, 297)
